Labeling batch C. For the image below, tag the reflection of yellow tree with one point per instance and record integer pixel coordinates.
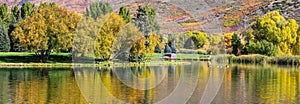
(278, 86)
(32, 90)
(59, 88)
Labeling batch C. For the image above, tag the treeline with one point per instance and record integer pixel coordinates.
(99, 32)
(8, 18)
(270, 35)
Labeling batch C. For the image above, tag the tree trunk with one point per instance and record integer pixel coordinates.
(42, 56)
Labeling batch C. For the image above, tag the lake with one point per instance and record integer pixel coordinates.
(192, 83)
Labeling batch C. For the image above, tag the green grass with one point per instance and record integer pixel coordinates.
(179, 56)
(26, 57)
(262, 59)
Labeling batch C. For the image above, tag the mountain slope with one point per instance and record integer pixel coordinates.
(212, 16)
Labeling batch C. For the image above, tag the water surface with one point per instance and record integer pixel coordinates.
(240, 84)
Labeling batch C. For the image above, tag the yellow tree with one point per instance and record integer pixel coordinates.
(50, 29)
(154, 41)
(274, 28)
(106, 37)
(125, 39)
(138, 50)
(227, 39)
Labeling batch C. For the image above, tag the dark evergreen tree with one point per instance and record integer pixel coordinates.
(167, 49)
(236, 44)
(157, 49)
(4, 39)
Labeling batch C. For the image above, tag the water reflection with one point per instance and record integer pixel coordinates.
(35, 86)
(241, 84)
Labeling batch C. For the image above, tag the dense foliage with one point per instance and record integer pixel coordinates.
(4, 39)
(49, 29)
(124, 12)
(275, 29)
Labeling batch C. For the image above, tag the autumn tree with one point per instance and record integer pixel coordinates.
(107, 35)
(138, 50)
(124, 12)
(50, 29)
(4, 39)
(199, 38)
(275, 29)
(98, 9)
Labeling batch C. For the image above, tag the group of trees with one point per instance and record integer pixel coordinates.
(100, 32)
(116, 34)
(270, 35)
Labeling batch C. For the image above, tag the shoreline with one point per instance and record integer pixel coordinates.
(103, 64)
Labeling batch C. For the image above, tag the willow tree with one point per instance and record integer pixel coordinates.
(50, 29)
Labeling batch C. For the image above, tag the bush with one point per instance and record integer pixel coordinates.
(264, 47)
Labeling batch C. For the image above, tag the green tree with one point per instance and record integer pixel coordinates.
(27, 9)
(4, 39)
(15, 13)
(236, 44)
(145, 20)
(98, 9)
(261, 47)
(50, 29)
(125, 14)
(4, 15)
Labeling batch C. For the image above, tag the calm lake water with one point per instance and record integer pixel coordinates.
(193, 83)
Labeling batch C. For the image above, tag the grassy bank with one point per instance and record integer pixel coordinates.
(261, 59)
(26, 59)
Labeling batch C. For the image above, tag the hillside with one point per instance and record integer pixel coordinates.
(182, 15)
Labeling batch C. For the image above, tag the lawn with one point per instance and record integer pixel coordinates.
(26, 57)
